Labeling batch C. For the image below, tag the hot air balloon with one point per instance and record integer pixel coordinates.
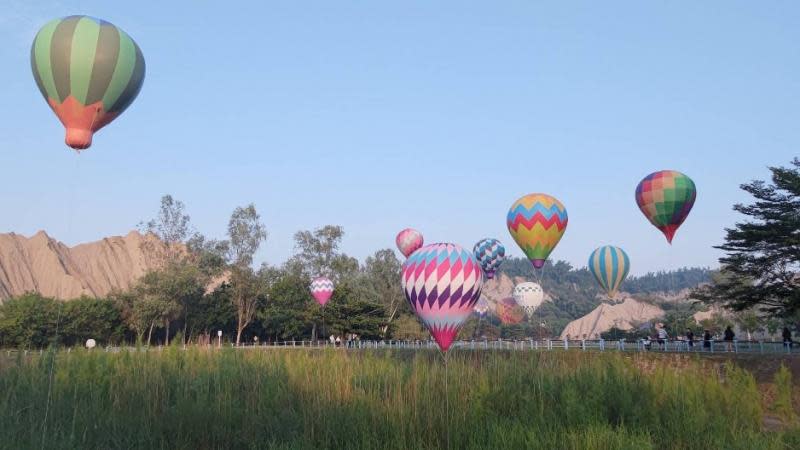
(481, 306)
(442, 283)
(490, 253)
(321, 290)
(665, 198)
(610, 265)
(509, 311)
(409, 241)
(537, 222)
(529, 296)
(88, 71)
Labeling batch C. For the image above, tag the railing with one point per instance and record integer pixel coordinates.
(642, 345)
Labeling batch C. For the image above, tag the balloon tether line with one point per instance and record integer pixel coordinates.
(446, 397)
(54, 346)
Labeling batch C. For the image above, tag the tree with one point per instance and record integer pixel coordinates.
(211, 313)
(29, 321)
(171, 227)
(382, 273)
(762, 253)
(91, 318)
(245, 234)
(318, 251)
(156, 299)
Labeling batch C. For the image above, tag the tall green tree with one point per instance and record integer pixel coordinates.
(172, 227)
(382, 278)
(762, 252)
(245, 235)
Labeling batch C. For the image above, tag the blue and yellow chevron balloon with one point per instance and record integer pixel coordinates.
(490, 253)
(610, 265)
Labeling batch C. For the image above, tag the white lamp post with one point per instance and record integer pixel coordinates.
(219, 338)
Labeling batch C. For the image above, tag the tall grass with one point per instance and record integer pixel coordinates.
(298, 399)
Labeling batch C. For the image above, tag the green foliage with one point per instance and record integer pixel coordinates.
(298, 399)
(29, 321)
(33, 321)
(759, 269)
(91, 318)
(783, 395)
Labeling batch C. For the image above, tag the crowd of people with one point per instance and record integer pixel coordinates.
(728, 337)
(350, 340)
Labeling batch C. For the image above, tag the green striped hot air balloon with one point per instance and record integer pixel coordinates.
(89, 71)
(610, 266)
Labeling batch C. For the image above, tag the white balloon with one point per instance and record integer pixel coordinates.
(528, 295)
(91, 343)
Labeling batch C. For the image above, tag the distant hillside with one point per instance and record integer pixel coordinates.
(573, 293)
(44, 265)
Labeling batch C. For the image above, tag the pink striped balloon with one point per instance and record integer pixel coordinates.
(442, 283)
(409, 241)
(321, 290)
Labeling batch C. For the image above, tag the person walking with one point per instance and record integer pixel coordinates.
(787, 337)
(729, 337)
(707, 339)
(689, 339)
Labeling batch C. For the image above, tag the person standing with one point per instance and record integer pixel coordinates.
(787, 337)
(689, 339)
(662, 337)
(729, 337)
(707, 339)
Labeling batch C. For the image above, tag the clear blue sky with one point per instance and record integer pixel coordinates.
(435, 115)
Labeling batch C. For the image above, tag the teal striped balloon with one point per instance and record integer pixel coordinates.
(610, 266)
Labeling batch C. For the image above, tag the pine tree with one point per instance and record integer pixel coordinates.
(759, 269)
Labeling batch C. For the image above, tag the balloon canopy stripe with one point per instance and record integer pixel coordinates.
(537, 222)
(442, 283)
(609, 265)
(89, 71)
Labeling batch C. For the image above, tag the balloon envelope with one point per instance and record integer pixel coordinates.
(409, 241)
(442, 283)
(610, 266)
(666, 198)
(528, 295)
(321, 289)
(509, 311)
(537, 222)
(89, 71)
(490, 253)
(481, 306)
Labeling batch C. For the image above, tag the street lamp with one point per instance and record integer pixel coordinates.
(219, 338)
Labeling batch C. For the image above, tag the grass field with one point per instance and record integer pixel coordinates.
(298, 399)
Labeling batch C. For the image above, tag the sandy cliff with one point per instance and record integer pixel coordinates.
(42, 264)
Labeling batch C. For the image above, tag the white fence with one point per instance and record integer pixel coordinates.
(675, 346)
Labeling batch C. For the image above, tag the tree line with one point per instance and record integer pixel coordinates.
(205, 285)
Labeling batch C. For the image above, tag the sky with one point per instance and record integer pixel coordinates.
(379, 116)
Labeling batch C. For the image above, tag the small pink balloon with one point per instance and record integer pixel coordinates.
(409, 241)
(321, 290)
